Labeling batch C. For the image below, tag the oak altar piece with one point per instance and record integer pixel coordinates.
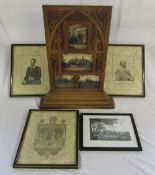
(77, 43)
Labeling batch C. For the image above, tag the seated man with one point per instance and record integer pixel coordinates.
(123, 74)
(33, 73)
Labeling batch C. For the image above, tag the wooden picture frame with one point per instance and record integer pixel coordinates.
(76, 30)
(125, 70)
(49, 140)
(29, 70)
(108, 132)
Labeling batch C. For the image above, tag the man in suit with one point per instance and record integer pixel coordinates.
(33, 73)
(123, 74)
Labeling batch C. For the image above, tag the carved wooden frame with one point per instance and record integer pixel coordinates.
(56, 21)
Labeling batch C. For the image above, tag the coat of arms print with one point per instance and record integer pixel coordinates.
(50, 137)
(49, 140)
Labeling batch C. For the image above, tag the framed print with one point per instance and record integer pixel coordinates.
(125, 70)
(49, 140)
(29, 71)
(108, 132)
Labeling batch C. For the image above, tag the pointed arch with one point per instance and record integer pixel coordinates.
(71, 13)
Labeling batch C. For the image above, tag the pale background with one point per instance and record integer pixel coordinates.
(133, 22)
(65, 156)
(134, 63)
(21, 61)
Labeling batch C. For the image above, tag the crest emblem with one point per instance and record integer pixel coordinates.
(50, 137)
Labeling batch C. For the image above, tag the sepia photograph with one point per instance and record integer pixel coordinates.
(78, 36)
(65, 81)
(89, 81)
(29, 70)
(111, 132)
(33, 73)
(122, 73)
(49, 140)
(77, 62)
(125, 74)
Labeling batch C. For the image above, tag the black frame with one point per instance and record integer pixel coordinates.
(49, 166)
(12, 68)
(82, 148)
(143, 69)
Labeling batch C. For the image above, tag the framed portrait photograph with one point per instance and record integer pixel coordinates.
(49, 140)
(108, 132)
(29, 70)
(125, 70)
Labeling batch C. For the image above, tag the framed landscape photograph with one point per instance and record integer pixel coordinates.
(49, 140)
(108, 132)
(125, 74)
(29, 70)
(89, 81)
(65, 81)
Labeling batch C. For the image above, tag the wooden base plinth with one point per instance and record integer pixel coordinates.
(80, 99)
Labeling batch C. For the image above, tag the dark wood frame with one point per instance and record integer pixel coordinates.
(143, 69)
(52, 166)
(12, 69)
(82, 148)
